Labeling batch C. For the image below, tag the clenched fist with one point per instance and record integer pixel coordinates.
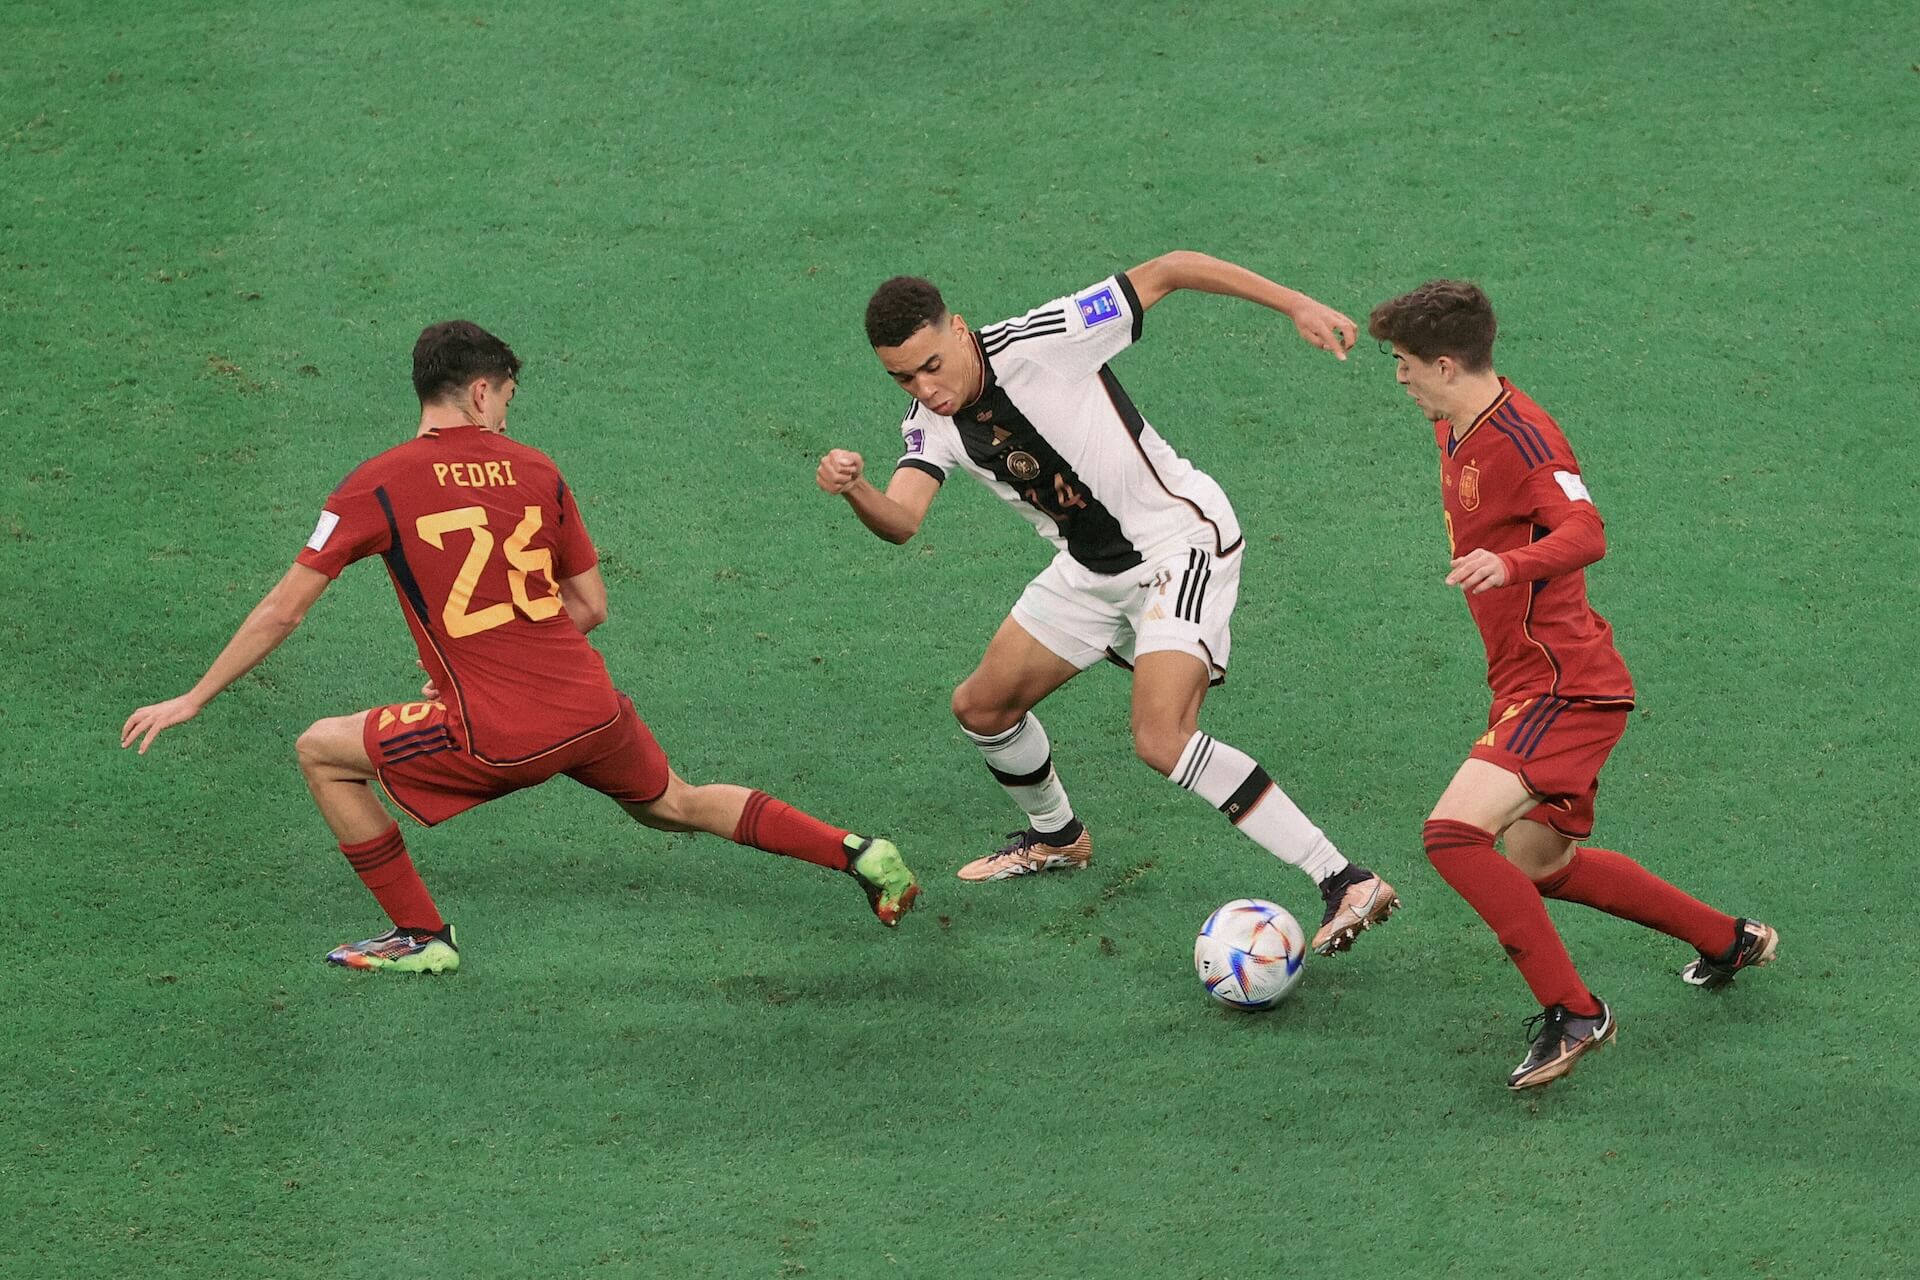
(839, 471)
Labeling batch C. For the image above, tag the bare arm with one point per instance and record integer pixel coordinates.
(270, 623)
(585, 598)
(894, 515)
(1318, 323)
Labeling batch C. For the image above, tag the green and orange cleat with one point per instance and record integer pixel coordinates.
(889, 883)
(401, 950)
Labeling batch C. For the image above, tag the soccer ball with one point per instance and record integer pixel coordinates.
(1249, 954)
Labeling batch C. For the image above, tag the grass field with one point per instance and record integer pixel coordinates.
(221, 226)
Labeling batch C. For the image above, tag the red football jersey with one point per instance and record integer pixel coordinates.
(478, 531)
(1507, 482)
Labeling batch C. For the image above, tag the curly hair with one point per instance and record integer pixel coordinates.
(1440, 318)
(898, 309)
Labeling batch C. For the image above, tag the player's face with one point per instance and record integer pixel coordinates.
(937, 365)
(1426, 381)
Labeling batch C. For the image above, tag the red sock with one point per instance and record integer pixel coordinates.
(1507, 900)
(780, 828)
(1616, 884)
(384, 867)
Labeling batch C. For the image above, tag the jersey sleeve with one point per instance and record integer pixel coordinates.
(1557, 501)
(1073, 335)
(923, 445)
(574, 552)
(352, 525)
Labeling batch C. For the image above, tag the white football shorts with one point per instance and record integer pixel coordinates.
(1182, 601)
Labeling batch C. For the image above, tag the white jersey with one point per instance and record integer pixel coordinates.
(1053, 433)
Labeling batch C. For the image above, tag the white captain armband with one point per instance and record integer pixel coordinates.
(1571, 485)
(322, 531)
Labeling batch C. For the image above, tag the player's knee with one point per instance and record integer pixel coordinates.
(1159, 746)
(310, 748)
(980, 715)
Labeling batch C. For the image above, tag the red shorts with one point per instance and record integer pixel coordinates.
(432, 778)
(1557, 747)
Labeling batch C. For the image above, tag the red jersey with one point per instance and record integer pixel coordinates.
(478, 531)
(1510, 484)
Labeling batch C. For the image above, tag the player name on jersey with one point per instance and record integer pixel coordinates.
(475, 475)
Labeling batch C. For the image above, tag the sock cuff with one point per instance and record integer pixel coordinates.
(369, 856)
(374, 845)
(1005, 738)
(1443, 835)
(747, 830)
(1554, 882)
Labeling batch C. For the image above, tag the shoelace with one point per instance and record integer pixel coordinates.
(1547, 1019)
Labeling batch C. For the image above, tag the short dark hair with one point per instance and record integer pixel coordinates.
(898, 309)
(451, 354)
(1440, 318)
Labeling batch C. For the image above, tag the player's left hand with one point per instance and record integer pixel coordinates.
(430, 691)
(1478, 570)
(1325, 328)
(149, 721)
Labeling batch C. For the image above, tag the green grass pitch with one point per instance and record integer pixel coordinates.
(221, 226)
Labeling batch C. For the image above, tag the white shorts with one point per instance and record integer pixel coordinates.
(1182, 601)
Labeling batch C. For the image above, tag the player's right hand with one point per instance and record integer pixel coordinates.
(430, 691)
(151, 720)
(839, 471)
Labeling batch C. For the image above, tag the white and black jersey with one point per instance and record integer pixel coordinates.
(1053, 433)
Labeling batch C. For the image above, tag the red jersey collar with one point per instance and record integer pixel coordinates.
(1454, 442)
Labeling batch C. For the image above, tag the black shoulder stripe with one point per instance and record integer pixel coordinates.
(1022, 322)
(995, 345)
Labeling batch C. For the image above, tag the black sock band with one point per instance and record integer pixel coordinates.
(1246, 795)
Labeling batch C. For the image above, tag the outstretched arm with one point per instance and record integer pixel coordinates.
(1318, 323)
(270, 623)
(894, 515)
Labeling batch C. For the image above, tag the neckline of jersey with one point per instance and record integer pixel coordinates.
(1454, 442)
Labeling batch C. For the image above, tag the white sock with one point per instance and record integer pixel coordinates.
(1233, 782)
(1021, 760)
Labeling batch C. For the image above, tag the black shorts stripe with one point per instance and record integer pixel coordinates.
(1524, 745)
(409, 736)
(1193, 586)
(1199, 601)
(433, 749)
